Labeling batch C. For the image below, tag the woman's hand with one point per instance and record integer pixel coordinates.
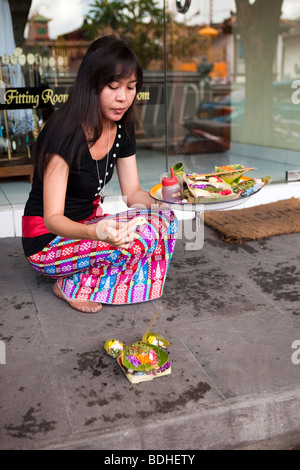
(119, 234)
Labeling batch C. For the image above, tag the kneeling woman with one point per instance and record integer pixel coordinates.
(96, 259)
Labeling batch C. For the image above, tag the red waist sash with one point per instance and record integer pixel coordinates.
(33, 225)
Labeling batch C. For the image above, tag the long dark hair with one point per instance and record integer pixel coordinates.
(106, 60)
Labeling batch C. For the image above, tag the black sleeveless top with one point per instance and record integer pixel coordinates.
(82, 188)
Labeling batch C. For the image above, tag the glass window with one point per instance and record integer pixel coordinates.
(222, 78)
(241, 103)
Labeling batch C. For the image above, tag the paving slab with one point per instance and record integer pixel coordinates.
(231, 313)
(32, 403)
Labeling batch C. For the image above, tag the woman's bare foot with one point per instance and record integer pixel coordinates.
(86, 306)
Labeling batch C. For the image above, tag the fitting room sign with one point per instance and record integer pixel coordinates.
(35, 98)
(32, 98)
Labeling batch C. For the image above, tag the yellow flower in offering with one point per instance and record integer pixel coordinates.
(114, 347)
(152, 340)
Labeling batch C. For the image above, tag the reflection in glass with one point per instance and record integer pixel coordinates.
(245, 72)
(224, 86)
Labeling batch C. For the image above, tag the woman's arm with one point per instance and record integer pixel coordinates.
(119, 234)
(130, 185)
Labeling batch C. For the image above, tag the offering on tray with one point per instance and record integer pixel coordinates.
(250, 186)
(231, 174)
(226, 183)
(197, 188)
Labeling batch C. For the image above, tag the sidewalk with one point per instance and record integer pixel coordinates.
(232, 314)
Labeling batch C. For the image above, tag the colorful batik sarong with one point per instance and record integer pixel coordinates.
(99, 272)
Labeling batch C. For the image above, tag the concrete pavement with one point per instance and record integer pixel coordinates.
(232, 314)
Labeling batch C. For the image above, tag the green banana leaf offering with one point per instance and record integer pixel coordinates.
(224, 184)
(143, 360)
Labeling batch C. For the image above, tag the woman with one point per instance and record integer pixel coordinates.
(119, 259)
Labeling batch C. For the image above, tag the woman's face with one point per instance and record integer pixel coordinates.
(117, 97)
